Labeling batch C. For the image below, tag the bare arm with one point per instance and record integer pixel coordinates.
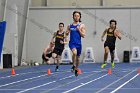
(45, 52)
(102, 37)
(66, 39)
(68, 30)
(53, 38)
(66, 34)
(118, 34)
(82, 30)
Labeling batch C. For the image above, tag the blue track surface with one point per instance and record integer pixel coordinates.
(124, 79)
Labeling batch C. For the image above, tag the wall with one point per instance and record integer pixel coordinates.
(73, 2)
(122, 2)
(37, 38)
(2, 7)
(9, 41)
(86, 2)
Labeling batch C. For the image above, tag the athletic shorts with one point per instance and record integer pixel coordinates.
(77, 46)
(111, 46)
(58, 51)
(48, 55)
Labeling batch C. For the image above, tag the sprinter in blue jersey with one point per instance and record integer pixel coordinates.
(76, 31)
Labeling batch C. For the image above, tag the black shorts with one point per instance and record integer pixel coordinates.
(48, 55)
(58, 51)
(111, 46)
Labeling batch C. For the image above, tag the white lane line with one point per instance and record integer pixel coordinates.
(22, 74)
(97, 70)
(30, 79)
(53, 75)
(55, 88)
(80, 89)
(83, 84)
(114, 82)
(36, 87)
(24, 80)
(33, 80)
(19, 74)
(124, 84)
(21, 80)
(43, 85)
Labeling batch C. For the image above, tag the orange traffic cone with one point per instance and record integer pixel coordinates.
(109, 71)
(13, 71)
(79, 71)
(49, 71)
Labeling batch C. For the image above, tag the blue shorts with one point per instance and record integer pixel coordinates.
(77, 46)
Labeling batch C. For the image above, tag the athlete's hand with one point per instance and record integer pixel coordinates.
(102, 39)
(118, 34)
(78, 28)
(52, 42)
(48, 62)
(61, 42)
(67, 33)
(68, 30)
(46, 57)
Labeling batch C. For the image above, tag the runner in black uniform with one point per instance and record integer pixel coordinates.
(109, 45)
(47, 53)
(60, 41)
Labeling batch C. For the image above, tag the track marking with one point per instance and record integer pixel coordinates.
(25, 74)
(97, 70)
(43, 85)
(34, 78)
(24, 80)
(80, 89)
(83, 84)
(68, 83)
(21, 81)
(114, 82)
(124, 84)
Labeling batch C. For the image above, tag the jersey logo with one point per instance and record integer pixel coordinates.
(110, 35)
(60, 37)
(73, 29)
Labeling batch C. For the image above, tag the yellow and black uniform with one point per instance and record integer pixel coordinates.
(49, 55)
(110, 41)
(58, 49)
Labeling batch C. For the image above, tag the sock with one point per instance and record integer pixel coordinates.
(104, 62)
(56, 67)
(73, 67)
(111, 61)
